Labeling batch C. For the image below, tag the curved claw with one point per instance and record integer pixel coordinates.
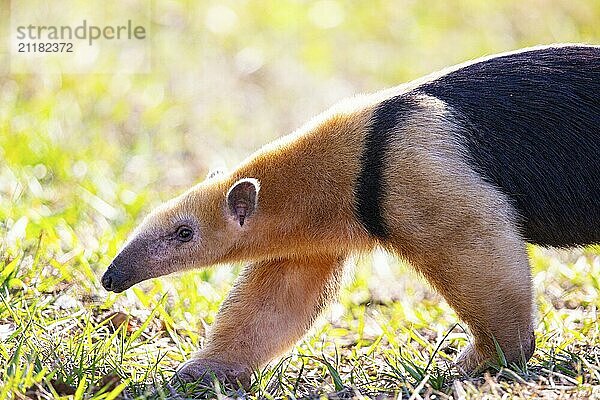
(205, 371)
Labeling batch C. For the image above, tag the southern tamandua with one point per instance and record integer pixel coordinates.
(454, 172)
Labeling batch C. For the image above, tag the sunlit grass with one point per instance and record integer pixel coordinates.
(57, 327)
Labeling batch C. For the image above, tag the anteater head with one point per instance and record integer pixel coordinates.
(198, 228)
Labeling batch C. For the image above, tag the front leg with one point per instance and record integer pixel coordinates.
(271, 306)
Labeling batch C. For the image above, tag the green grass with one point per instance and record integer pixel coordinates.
(84, 157)
(380, 339)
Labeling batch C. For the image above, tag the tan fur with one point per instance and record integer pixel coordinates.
(271, 307)
(460, 233)
(457, 230)
(306, 201)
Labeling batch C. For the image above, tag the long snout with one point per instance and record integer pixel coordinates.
(129, 267)
(137, 261)
(115, 280)
(132, 265)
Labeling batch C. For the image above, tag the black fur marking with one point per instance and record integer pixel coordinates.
(370, 185)
(532, 124)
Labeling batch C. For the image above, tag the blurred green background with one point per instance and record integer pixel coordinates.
(83, 157)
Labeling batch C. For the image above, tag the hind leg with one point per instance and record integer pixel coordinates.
(486, 278)
(461, 233)
(487, 281)
(475, 258)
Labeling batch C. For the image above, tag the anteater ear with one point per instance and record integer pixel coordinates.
(242, 199)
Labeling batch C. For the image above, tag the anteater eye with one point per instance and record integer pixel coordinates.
(184, 233)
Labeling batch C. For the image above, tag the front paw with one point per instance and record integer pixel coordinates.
(471, 362)
(205, 371)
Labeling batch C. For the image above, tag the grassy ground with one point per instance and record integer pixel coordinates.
(83, 157)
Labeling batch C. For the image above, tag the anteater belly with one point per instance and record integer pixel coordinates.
(532, 128)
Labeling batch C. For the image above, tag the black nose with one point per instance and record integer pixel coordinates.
(107, 281)
(108, 278)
